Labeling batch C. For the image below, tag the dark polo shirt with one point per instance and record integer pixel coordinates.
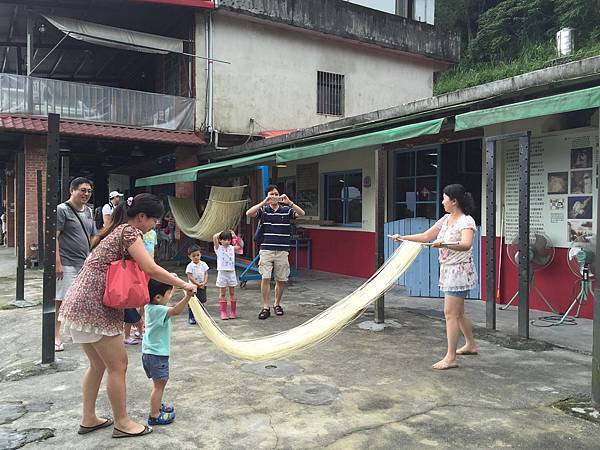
(277, 227)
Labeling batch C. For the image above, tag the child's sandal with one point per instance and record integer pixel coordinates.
(164, 418)
(167, 408)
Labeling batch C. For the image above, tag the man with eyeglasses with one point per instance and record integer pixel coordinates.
(75, 228)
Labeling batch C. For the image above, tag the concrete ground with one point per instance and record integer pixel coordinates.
(361, 389)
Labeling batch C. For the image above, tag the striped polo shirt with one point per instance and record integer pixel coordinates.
(277, 227)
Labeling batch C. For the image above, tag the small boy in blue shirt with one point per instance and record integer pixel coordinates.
(156, 346)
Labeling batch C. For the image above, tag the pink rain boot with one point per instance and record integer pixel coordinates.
(223, 308)
(233, 308)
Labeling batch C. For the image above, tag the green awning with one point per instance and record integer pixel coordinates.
(554, 104)
(308, 151)
(191, 174)
(364, 140)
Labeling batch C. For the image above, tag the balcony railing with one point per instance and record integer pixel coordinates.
(78, 101)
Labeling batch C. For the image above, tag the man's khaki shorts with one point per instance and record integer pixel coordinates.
(274, 261)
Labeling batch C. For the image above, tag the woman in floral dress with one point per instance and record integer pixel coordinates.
(99, 328)
(454, 234)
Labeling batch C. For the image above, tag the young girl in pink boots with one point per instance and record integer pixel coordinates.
(226, 277)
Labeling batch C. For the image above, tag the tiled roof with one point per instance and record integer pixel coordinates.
(35, 125)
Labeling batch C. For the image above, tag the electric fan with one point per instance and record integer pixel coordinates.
(581, 261)
(541, 254)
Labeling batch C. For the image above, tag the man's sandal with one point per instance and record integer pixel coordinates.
(85, 430)
(124, 434)
(264, 313)
(278, 310)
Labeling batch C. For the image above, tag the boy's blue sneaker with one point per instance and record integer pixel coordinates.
(164, 418)
(192, 321)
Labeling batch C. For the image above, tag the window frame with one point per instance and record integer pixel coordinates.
(326, 198)
(415, 178)
(331, 102)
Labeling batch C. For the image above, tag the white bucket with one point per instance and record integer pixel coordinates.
(565, 41)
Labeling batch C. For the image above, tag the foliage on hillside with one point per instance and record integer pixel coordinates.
(503, 38)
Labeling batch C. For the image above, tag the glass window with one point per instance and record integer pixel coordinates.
(427, 162)
(416, 184)
(402, 211)
(427, 210)
(343, 197)
(405, 165)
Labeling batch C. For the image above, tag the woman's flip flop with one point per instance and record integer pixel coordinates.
(124, 434)
(85, 430)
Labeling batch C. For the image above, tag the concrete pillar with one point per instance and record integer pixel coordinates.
(35, 159)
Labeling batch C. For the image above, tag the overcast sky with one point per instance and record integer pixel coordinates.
(381, 5)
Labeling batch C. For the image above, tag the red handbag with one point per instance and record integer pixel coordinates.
(126, 283)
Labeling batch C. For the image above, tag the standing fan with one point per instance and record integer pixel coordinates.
(581, 260)
(541, 254)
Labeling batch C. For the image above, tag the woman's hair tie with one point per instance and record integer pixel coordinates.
(130, 202)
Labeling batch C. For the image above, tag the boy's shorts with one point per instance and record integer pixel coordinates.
(131, 315)
(156, 367)
(226, 278)
(272, 261)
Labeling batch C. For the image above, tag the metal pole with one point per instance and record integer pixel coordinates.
(379, 225)
(64, 178)
(29, 43)
(20, 206)
(596, 329)
(490, 229)
(40, 215)
(49, 304)
(524, 269)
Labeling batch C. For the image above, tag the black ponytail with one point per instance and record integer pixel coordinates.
(148, 204)
(464, 199)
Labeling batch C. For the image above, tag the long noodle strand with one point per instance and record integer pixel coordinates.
(315, 330)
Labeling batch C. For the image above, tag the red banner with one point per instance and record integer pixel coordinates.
(191, 3)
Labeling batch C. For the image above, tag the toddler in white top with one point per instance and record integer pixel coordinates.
(226, 278)
(197, 273)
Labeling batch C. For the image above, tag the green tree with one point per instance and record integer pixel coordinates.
(509, 26)
(583, 15)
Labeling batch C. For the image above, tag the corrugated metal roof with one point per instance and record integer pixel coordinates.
(39, 125)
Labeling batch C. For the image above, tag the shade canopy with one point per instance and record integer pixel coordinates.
(105, 35)
(364, 140)
(309, 151)
(191, 174)
(554, 104)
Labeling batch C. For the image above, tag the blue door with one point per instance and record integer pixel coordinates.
(421, 278)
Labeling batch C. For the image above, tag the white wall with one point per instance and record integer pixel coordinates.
(360, 159)
(272, 77)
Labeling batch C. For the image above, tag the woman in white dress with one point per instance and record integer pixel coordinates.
(454, 234)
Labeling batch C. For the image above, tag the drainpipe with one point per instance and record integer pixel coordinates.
(208, 41)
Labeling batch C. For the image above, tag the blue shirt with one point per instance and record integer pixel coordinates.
(157, 336)
(277, 227)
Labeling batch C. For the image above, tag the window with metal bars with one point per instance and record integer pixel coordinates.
(330, 93)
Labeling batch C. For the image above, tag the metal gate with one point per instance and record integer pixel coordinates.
(421, 278)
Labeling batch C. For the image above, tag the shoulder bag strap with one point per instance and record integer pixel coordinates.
(81, 222)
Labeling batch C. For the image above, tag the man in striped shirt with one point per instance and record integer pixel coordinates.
(276, 212)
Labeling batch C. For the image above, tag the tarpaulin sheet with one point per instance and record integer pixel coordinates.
(554, 104)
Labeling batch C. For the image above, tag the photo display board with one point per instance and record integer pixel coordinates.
(563, 186)
(307, 188)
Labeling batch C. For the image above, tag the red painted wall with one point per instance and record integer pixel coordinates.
(338, 251)
(556, 282)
